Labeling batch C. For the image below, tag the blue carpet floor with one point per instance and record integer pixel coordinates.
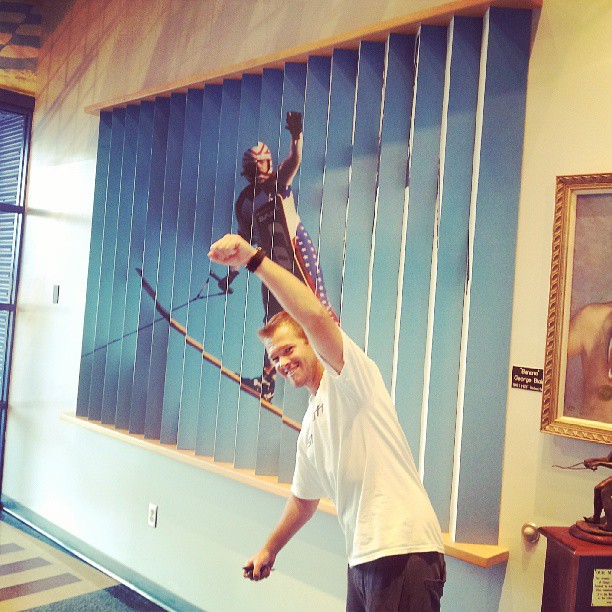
(115, 598)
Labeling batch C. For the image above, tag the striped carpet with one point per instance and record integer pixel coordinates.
(35, 575)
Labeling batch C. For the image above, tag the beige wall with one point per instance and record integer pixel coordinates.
(100, 50)
(568, 131)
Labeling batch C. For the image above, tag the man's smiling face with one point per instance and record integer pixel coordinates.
(294, 359)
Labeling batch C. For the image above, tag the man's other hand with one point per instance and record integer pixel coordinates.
(259, 566)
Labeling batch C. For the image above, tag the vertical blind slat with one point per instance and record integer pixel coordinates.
(230, 399)
(182, 264)
(109, 245)
(268, 438)
(362, 190)
(137, 242)
(293, 401)
(202, 232)
(95, 257)
(452, 260)
(422, 192)
(492, 278)
(337, 171)
(251, 358)
(392, 176)
(215, 307)
(146, 313)
(165, 270)
(117, 312)
(318, 74)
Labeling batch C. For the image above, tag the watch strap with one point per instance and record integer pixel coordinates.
(256, 260)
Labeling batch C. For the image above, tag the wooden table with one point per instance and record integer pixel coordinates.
(570, 573)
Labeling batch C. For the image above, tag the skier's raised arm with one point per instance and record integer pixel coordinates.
(289, 167)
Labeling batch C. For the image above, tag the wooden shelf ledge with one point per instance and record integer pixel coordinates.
(483, 555)
(404, 24)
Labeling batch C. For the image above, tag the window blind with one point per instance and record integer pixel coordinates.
(408, 192)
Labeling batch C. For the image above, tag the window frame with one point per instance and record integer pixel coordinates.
(21, 104)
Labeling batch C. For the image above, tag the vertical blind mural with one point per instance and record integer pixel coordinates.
(404, 205)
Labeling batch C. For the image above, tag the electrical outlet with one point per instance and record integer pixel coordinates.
(152, 516)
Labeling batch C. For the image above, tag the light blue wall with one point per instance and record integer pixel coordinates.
(208, 526)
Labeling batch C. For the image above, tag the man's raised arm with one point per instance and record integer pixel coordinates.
(295, 297)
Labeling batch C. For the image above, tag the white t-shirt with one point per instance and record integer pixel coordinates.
(352, 449)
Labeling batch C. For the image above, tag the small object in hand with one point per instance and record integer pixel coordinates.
(249, 569)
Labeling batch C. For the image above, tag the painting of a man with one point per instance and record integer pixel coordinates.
(588, 380)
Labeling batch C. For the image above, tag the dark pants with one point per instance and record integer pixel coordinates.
(400, 583)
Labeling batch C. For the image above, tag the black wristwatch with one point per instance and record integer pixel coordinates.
(256, 260)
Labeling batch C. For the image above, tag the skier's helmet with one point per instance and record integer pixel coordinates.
(251, 166)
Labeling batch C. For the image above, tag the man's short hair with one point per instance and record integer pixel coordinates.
(280, 318)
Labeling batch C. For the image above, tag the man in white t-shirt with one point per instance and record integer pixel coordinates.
(351, 449)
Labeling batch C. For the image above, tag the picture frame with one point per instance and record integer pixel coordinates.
(577, 386)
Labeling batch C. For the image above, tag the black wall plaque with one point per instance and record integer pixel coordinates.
(527, 378)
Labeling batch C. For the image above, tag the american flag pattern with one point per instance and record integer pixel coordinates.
(308, 260)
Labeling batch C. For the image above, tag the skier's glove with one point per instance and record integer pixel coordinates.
(294, 124)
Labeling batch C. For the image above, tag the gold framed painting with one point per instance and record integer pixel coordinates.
(577, 390)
